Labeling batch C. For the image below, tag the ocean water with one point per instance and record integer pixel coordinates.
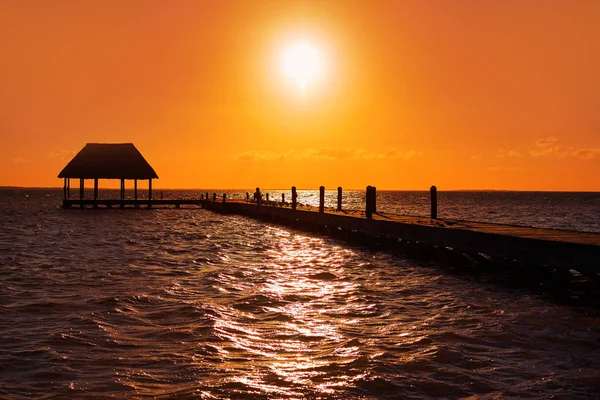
(186, 303)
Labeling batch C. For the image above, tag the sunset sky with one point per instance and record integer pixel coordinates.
(465, 94)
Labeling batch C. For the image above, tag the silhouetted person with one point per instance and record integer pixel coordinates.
(257, 196)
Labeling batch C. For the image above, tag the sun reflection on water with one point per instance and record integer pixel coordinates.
(298, 310)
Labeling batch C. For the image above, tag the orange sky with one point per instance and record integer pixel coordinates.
(461, 94)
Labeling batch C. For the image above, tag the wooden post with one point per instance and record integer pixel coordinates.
(95, 192)
(282, 198)
(322, 199)
(294, 198)
(214, 196)
(149, 192)
(135, 197)
(267, 196)
(247, 196)
(65, 189)
(68, 188)
(122, 193)
(339, 205)
(374, 199)
(433, 193)
(368, 205)
(81, 185)
(224, 197)
(206, 196)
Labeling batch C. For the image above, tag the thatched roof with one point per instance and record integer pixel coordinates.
(108, 161)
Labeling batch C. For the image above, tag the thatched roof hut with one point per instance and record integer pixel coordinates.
(108, 161)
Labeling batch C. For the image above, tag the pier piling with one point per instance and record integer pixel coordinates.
(339, 199)
(224, 197)
(433, 193)
(322, 199)
(294, 198)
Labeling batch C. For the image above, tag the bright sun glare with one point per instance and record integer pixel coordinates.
(302, 63)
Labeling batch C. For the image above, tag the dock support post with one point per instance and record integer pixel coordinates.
(81, 192)
(95, 192)
(65, 190)
(433, 193)
(150, 193)
(370, 206)
(267, 196)
(322, 199)
(224, 197)
(214, 196)
(135, 193)
(247, 196)
(282, 198)
(339, 203)
(294, 198)
(122, 193)
(68, 188)
(374, 199)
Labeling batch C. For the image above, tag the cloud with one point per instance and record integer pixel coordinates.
(62, 155)
(507, 153)
(329, 154)
(547, 147)
(504, 169)
(545, 142)
(259, 156)
(20, 160)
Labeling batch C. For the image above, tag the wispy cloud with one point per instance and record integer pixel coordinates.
(548, 147)
(501, 153)
(329, 153)
(504, 169)
(62, 155)
(20, 160)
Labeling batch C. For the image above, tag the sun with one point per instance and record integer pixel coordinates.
(302, 63)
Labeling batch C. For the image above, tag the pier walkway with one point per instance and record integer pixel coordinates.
(550, 247)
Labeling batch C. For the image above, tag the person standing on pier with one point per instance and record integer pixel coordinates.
(257, 196)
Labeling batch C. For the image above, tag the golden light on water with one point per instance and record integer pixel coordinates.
(302, 339)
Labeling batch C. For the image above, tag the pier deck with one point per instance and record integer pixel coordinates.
(551, 247)
(116, 203)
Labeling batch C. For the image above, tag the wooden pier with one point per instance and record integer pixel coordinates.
(551, 247)
(130, 203)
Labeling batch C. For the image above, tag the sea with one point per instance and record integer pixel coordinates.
(186, 303)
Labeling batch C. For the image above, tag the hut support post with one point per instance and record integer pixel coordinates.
(135, 193)
(149, 193)
(96, 189)
(65, 189)
(68, 188)
(339, 203)
(294, 198)
(81, 186)
(322, 199)
(433, 193)
(122, 193)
